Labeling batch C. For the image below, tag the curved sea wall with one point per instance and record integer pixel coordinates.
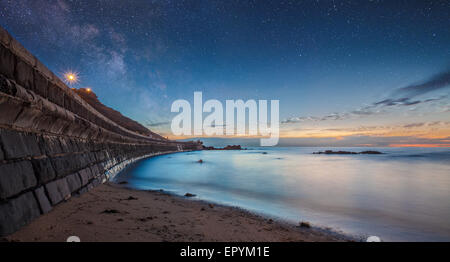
(53, 144)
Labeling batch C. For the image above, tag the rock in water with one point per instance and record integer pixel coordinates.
(371, 152)
(331, 152)
(305, 224)
(229, 147)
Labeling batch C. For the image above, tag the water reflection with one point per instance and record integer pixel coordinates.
(401, 195)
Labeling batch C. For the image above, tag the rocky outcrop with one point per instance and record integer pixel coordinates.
(229, 147)
(331, 152)
(91, 98)
(54, 144)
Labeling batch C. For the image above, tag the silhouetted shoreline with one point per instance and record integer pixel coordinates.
(229, 147)
(331, 152)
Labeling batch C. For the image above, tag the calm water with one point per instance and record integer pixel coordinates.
(401, 195)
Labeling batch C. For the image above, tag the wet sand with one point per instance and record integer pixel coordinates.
(112, 213)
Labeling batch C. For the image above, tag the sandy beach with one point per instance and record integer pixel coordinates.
(113, 212)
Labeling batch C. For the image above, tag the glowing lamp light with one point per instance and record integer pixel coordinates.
(88, 90)
(71, 77)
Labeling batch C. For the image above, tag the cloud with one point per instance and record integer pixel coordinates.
(299, 119)
(405, 101)
(332, 116)
(156, 124)
(372, 109)
(414, 125)
(437, 123)
(404, 96)
(401, 97)
(366, 141)
(436, 82)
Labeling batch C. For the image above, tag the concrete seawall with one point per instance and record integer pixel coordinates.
(53, 144)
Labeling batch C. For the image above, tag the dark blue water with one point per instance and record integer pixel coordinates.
(403, 195)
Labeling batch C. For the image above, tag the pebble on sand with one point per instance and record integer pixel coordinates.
(305, 224)
(111, 211)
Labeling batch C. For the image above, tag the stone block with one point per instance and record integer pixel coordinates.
(83, 190)
(44, 70)
(50, 145)
(15, 178)
(69, 103)
(22, 52)
(55, 94)
(7, 62)
(7, 87)
(9, 109)
(75, 145)
(25, 95)
(27, 117)
(96, 182)
(2, 155)
(58, 191)
(31, 141)
(92, 158)
(63, 165)
(84, 146)
(68, 164)
(83, 160)
(65, 145)
(104, 178)
(42, 200)
(43, 169)
(13, 144)
(88, 158)
(100, 155)
(5, 38)
(40, 84)
(18, 212)
(61, 85)
(24, 74)
(85, 175)
(95, 171)
(74, 182)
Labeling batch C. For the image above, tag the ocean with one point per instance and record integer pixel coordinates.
(401, 195)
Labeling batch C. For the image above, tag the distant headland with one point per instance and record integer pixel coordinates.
(331, 152)
(229, 147)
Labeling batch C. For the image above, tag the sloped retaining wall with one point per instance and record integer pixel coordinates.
(54, 145)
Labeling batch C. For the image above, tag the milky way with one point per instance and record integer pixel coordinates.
(317, 57)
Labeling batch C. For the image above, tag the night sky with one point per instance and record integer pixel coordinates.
(345, 72)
